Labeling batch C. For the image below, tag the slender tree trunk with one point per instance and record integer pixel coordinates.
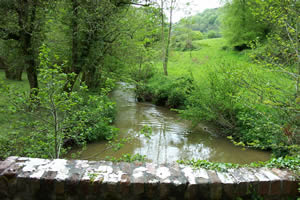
(298, 58)
(75, 38)
(83, 77)
(166, 60)
(163, 37)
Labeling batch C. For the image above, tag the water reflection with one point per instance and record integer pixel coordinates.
(171, 138)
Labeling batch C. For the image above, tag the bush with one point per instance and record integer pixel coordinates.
(212, 34)
(186, 41)
(166, 91)
(95, 116)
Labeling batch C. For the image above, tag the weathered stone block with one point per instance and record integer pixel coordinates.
(7, 163)
(138, 179)
(215, 185)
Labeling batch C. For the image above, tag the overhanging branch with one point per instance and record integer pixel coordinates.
(134, 3)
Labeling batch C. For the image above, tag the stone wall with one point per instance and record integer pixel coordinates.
(33, 178)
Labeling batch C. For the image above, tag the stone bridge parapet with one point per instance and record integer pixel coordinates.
(33, 179)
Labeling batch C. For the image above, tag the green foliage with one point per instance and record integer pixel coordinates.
(213, 101)
(143, 69)
(127, 158)
(249, 102)
(212, 34)
(223, 167)
(166, 91)
(280, 52)
(95, 115)
(287, 162)
(54, 119)
(239, 25)
(184, 36)
(204, 22)
(184, 41)
(230, 99)
(146, 131)
(136, 48)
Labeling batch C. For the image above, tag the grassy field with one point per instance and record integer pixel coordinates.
(214, 53)
(206, 58)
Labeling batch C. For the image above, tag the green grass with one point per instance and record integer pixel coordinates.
(200, 61)
(6, 118)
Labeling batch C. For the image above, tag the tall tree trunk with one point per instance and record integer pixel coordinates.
(75, 47)
(166, 60)
(25, 15)
(13, 74)
(30, 63)
(163, 36)
(92, 78)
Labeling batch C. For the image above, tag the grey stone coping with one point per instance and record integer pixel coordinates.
(29, 178)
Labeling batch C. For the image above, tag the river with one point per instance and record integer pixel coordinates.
(172, 139)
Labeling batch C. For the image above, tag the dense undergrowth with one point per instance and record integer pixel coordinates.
(287, 162)
(250, 103)
(49, 123)
(31, 134)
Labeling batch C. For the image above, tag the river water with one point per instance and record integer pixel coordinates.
(172, 139)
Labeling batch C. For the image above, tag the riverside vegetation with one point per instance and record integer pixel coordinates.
(236, 67)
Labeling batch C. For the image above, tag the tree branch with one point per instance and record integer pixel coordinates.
(136, 4)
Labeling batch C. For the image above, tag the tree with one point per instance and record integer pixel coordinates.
(94, 27)
(206, 21)
(21, 21)
(166, 47)
(163, 34)
(283, 41)
(11, 59)
(136, 47)
(280, 54)
(239, 25)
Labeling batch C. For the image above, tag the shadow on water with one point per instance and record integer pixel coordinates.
(171, 139)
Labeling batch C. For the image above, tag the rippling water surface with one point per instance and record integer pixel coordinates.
(171, 140)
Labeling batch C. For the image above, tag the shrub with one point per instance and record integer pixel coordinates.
(166, 91)
(212, 34)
